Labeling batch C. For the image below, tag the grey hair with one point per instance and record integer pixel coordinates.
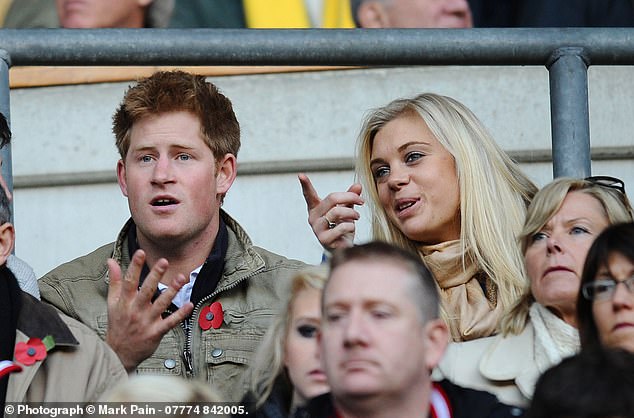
(5, 207)
(354, 9)
(159, 13)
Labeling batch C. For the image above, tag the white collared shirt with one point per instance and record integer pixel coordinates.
(184, 295)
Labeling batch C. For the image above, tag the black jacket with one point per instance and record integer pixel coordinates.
(277, 405)
(465, 403)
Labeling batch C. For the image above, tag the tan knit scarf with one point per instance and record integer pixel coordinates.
(469, 312)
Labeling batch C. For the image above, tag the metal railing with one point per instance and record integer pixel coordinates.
(566, 53)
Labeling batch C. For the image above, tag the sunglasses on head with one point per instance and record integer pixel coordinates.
(607, 181)
(615, 184)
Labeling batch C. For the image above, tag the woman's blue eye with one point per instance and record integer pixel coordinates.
(381, 172)
(578, 230)
(307, 331)
(413, 156)
(538, 236)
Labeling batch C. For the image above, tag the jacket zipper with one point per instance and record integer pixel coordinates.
(187, 351)
(187, 354)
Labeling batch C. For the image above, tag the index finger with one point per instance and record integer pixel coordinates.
(310, 194)
(356, 189)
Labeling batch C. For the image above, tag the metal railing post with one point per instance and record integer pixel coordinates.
(568, 73)
(5, 152)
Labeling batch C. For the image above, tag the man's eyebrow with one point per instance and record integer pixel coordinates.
(337, 304)
(180, 146)
(153, 147)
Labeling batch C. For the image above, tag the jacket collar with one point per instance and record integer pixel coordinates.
(512, 358)
(19, 383)
(120, 253)
(38, 319)
(241, 259)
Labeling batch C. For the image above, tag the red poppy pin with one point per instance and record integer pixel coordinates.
(211, 316)
(33, 350)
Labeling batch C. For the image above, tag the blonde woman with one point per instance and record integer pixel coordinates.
(286, 371)
(541, 329)
(439, 185)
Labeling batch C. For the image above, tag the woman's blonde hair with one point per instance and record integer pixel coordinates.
(494, 192)
(544, 206)
(147, 389)
(268, 365)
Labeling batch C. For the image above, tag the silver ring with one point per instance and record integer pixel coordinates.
(331, 225)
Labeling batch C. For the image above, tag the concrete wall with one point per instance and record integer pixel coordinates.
(64, 132)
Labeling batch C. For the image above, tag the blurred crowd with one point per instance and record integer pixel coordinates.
(315, 13)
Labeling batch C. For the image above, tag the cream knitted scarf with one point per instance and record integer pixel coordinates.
(554, 338)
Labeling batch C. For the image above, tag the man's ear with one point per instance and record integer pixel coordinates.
(121, 177)
(437, 338)
(7, 241)
(226, 172)
(372, 14)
